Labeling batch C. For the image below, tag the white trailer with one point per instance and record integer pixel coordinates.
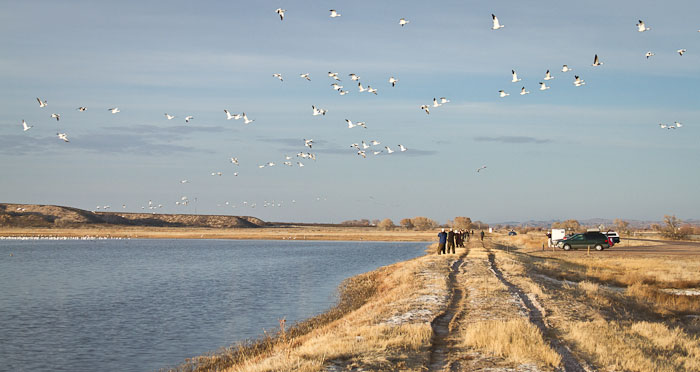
(557, 234)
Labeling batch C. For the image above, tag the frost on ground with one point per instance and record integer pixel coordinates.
(424, 305)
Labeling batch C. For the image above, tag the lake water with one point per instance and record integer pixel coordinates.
(142, 305)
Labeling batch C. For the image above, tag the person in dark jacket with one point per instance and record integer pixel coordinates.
(451, 241)
(442, 236)
(482, 235)
(466, 234)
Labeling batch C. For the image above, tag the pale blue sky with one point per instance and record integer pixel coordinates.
(198, 58)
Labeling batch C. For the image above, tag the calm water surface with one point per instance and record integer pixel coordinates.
(141, 305)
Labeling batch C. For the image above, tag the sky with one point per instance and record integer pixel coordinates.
(567, 152)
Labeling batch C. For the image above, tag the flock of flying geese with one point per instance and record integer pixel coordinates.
(578, 82)
(364, 146)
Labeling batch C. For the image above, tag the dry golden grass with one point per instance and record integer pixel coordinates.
(637, 346)
(636, 327)
(517, 340)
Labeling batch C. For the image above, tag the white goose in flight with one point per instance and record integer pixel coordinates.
(114, 110)
(246, 120)
(515, 77)
(641, 27)
(502, 93)
(230, 116)
(56, 116)
(25, 126)
(496, 24)
(63, 136)
(281, 11)
(169, 117)
(334, 13)
(42, 103)
(548, 76)
(596, 61)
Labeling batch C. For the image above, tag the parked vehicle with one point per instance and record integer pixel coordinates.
(512, 233)
(613, 235)
(594, 239)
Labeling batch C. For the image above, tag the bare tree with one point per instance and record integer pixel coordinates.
(672, 228)
(406, 223)
(569, 225)
(386, 224)
(621, 225)
(423, 223)
(462, 223)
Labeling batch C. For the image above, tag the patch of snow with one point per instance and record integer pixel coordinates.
(682, 292)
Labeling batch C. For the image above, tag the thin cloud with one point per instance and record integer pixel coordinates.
(512, 139)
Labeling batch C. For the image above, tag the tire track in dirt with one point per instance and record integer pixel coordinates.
(569, 362)
(441, 325)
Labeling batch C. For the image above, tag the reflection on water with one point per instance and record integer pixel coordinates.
(140, 305)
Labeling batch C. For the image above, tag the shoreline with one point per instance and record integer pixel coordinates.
(486, 307)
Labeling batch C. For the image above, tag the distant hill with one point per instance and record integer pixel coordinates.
(589, 222)
(49, 216)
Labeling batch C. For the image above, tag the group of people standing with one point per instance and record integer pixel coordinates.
(448, 240)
